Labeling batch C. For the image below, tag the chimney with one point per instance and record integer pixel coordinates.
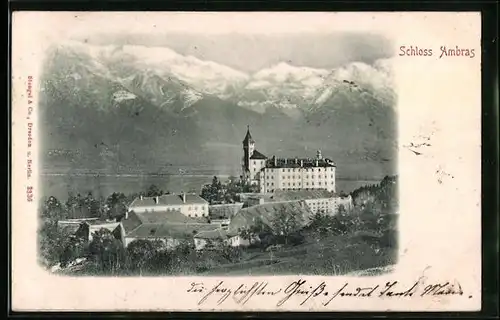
(141, 197)
(275, 161)
(296, 160)
(286, 160)
(316, 162)
(183, 197)
(156, 200)
(301, 163)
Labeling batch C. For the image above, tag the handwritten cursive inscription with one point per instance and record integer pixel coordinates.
(302, 292)
(241, 295)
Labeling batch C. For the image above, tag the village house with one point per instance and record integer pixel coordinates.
(211, 239)
(317, 200)
(72, 225)
(170, 227)
(221, 213)
(87, 228)
(190, 205)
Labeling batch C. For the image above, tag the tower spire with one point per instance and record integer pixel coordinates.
(248, 137)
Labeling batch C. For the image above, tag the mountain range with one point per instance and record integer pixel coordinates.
(127, 108)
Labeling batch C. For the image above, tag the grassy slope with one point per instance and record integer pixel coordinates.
(332, 255)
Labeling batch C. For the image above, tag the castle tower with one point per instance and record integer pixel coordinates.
(248, 149)
(318, 155)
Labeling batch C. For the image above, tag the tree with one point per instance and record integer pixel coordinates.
(319, 222)
(245, 233)
(74, 205)
(107, 252)
(73, 248)
(285, 223)
(140, 253)
(52, 241)
(116, 205)
(154, 191)
(214, 193)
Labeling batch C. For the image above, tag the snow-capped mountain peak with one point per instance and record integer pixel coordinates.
(283, 71)
(164, 75)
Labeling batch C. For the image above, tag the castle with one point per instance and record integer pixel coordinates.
(274, 174)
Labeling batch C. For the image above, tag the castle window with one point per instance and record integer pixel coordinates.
(288, 183)
(254, 162)
(288, 170)
(307, 183)
(332, 176)
(272, 183)
(307, 177)
(312, 176)
(312, 183)
(283, 170)
(293, 184)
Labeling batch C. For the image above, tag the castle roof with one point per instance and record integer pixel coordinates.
(258, 156)
(298, 163)
(248, 137)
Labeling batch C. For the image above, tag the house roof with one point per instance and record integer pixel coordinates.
(109, 226)
(266, 212)
(290, 195)
(70, 228)
(162, 224)
(159, 230)
(224, 210)
(167, 200)
(258, 156)
(100, 222)
(212, 234)
(164, 217)
(135, 219)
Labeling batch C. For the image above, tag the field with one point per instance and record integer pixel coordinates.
(332, 255)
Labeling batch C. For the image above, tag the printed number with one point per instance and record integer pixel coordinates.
(29, 194)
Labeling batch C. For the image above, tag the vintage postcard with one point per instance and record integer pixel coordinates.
(255, 161)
